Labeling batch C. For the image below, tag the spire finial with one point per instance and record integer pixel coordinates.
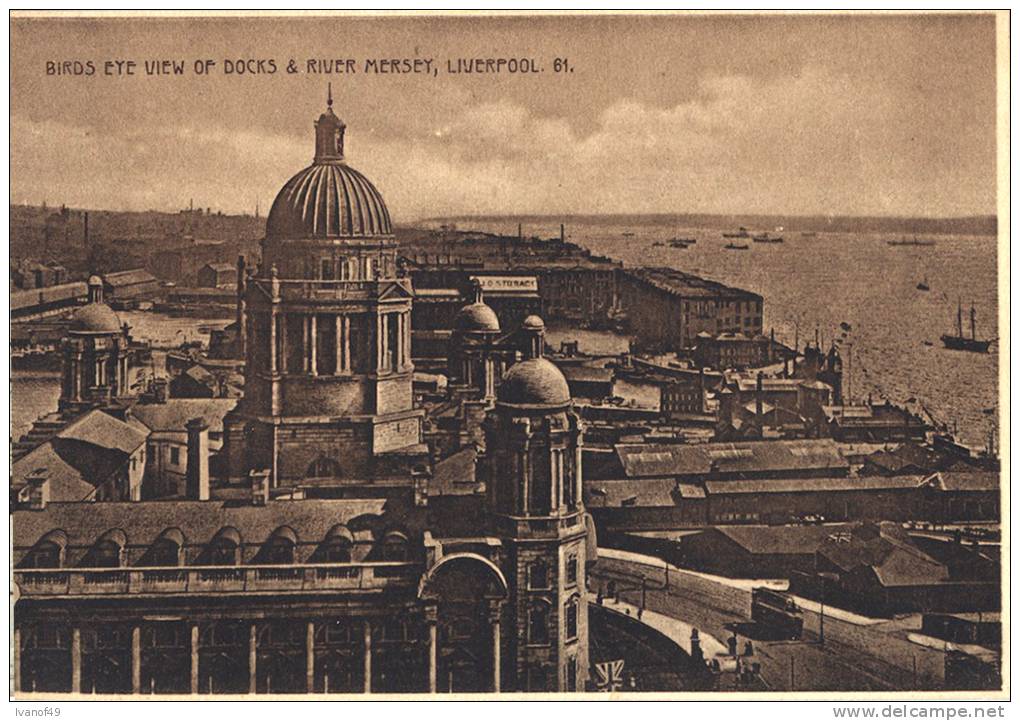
(329, 97)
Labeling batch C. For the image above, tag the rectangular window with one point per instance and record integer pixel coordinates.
(175, 456)
(325, 351)
(327, 269)
(571, 621)
(572, 570)
(571, 674)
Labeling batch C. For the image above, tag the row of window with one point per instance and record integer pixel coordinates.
(224, 550)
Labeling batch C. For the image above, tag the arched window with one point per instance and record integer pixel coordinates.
(108, 551)
(165, 550)
(570, 610)
(48, 552)
(336, 548)
(46, 555)
(538, 574)
(394, 546)
(538, 623)
(279, 547)
(323, 467)
(225, 548)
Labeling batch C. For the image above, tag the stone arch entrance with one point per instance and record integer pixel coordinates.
(464, 595)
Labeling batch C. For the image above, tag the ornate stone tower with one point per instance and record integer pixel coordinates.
(327, 406)
(534, 497)
(95, 355)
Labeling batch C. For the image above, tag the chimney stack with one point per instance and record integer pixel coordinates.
(85, 236)
(259, 479)
(758, 396)
(563, 233)
(198, 460)
(38, 489)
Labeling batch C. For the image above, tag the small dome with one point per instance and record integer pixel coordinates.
(534, 382)
(533, 322)
(476, 317)
(95, 280)
(328, 200)
(95, 318)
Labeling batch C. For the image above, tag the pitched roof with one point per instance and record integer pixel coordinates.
(968, 481)
(129, 277)
(780, 539)
(885, 550)
(73, 472)
(20, 299)
(176, 412)
(103, 430)
(813, 485)
(742, 456)
(646, 493)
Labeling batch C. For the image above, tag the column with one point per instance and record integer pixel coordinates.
(348, 364)
(252, 658)
(273, 350)
(304, 344)
(194, 659)
(136, 660)
(283, 342)
(310, 658)
(368, 656)
(339, 345)
(380, 340)
(431, 620)
(494, 611)
(313, 365)
(16, 642)
(76, 660)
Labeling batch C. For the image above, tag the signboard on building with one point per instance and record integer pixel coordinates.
(507, 284)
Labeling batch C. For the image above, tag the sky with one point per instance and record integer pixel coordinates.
(733, 114)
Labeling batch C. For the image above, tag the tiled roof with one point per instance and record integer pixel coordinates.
(813, 485)
(646, 493)
(968, 480)
(747, 456)
(103, 430)
(176, 412)
(129, 277)
(199, 521)
(780, 539)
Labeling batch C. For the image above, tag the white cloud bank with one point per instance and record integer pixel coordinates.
(813, 143)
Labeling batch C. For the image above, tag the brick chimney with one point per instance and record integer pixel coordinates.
(38, 489)
(198, 460)
(259, 479)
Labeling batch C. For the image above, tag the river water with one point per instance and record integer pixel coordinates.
(807, 282)
(834, 278)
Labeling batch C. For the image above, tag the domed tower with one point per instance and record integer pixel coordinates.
(471, 360)
(533, 438)
(95, 355)
(328, 326)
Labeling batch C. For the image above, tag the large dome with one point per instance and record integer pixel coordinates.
(534, 382)
(476, 317)
(95, 318)
(328, 200)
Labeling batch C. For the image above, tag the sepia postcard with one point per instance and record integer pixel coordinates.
(509, 355)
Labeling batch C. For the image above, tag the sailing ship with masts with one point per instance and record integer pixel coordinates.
(962, 342)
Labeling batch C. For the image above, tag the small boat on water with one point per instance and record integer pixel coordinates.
(911, 241)
(808, 234)
(682, 242)
(962, 342)
(736, 246)
(923, 285)
(766, 238)
(627, 235)
(742, 233)
(658, 244)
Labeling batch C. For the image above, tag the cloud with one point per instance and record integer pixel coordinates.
(815, 142)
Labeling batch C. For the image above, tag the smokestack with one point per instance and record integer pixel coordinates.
(563, 234)
(38, 489)
(198, 460)
(520, 232)
(758, 396)
(85, 237)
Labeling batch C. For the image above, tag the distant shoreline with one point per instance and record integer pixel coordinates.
(964, 225)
